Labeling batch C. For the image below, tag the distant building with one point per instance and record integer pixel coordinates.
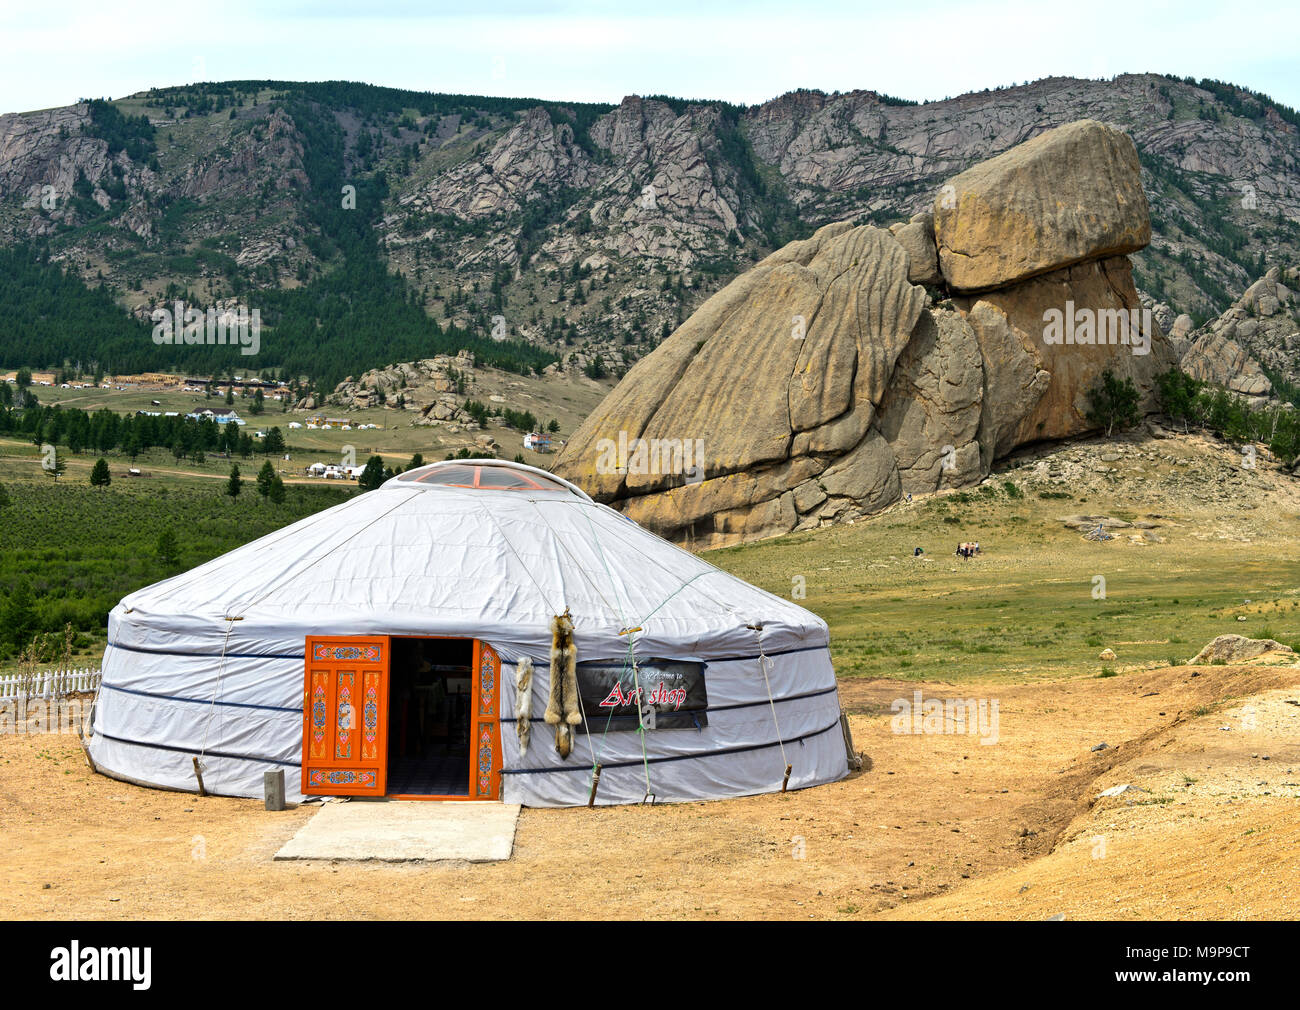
(222, 415)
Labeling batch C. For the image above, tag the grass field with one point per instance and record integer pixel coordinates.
(568, 400)
(1027, 609)
(77, 550)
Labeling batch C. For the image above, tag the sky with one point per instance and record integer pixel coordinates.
(599, 51)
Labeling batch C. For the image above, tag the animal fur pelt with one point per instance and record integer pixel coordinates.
(562, 708)
(523, 701)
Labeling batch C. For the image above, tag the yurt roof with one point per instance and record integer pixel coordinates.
(465, 548)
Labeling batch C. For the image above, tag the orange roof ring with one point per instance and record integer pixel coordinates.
(489, 474)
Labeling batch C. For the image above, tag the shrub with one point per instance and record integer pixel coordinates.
(1113, 404)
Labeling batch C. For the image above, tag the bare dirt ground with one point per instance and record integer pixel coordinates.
(941, 826)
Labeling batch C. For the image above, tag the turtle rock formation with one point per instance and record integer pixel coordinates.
(826, 382)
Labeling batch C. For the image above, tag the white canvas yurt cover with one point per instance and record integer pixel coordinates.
(347, 647)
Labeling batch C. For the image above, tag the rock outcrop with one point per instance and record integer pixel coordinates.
(1239, 649)
(1262, 327)
(1216, 359)
(824, 384)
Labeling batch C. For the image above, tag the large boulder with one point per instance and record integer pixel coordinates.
(932, 410)
(1041, 385)
(822, 385)
(787, 361)
(917, 239)
(1239, 649)
(1071, 194)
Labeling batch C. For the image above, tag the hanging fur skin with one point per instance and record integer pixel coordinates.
(562, 709)
(523, 701)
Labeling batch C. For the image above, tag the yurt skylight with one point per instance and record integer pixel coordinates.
(485, 475)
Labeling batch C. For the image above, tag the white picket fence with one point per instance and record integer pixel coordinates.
(50, 684)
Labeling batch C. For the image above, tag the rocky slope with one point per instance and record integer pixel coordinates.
(826, 383)
(598, 229)
(1261, 330)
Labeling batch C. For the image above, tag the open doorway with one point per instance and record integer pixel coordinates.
(429, 717)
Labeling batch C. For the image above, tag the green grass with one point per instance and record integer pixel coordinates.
(80, 549)
(1024, 610)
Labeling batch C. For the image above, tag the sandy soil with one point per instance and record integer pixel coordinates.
(941, 826)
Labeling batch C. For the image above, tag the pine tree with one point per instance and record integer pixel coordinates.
(373, 475)
(277, 492)
(18, 615)
(54, 464)
(265, 477)
(235, 483)
(99, 475)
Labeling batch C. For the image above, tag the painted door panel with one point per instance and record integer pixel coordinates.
(345, 716)
(485, 725)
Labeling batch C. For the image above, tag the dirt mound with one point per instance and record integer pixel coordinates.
(1191, 820)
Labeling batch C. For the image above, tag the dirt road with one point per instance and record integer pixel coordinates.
(941, 826)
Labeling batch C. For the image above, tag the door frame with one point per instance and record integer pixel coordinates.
(483, 768)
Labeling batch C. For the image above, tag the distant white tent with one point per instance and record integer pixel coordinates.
(379, 647)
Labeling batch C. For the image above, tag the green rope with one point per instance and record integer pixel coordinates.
(630, 659)
(672, 594)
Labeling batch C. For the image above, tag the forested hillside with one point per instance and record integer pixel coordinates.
(371, 225)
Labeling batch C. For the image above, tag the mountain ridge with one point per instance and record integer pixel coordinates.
(588, 230)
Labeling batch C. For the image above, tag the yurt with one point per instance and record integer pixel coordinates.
(476, 630)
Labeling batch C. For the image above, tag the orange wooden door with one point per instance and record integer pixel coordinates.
(485, 725)
(345, 716)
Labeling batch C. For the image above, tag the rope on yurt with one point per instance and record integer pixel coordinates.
(617, 609)
(559, 541)
(631, 632)
(527, 571)
(625, 629)
(212, 705)
(640, 714)
(757, 629)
